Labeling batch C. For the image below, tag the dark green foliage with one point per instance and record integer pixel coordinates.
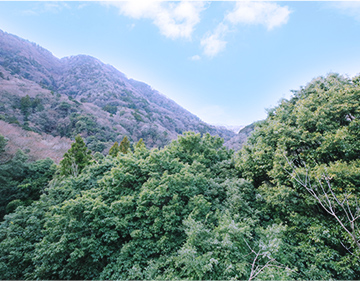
(25, 105)
(110, 108)
(64, 109)
(137, 116)
(30, 105)
(179, 212)
(19, 234)
(21, 182)
(12, 120)
(3, 143)
(95, 144)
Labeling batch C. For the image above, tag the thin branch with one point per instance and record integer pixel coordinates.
(329, 201)
(255, 271)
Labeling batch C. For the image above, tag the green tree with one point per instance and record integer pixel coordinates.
(19, 233)
(140, 144)
(124, 146)
(25, 106)
(12, 172)
(75, 159)
(21, 182)
(3, 143)
(114, 150)
(316, 130)
(129, 217)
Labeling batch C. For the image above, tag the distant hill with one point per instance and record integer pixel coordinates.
(81, 95)
(240, 139)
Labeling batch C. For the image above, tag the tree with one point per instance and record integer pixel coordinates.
(21, 182)
(25, 106)
(75, 159)
(135, 217)
(19, 234)
(343, 205)
(318, 126)
(3, 143)
(114, 150)
(140, 144)
(124, 145)
(12, 172)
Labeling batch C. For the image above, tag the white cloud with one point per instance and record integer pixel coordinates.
(213, 43)
(351, 9)
(47, 7)
(177, 19)
(267, 14)
(174, 19)
(55, 7)
(195, 58)
(82, 6)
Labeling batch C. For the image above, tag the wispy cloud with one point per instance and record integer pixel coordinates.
(213, 43)
(47, 7)
(268, 14)
(195, 58)
(351, 9)
(174, 19)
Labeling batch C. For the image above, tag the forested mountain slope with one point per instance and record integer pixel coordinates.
(239, 140)
(284, 208)
(81, 95)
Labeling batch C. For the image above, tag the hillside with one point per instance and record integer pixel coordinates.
(81, 95)
(46, 145)
(238, 141)
(285, 207)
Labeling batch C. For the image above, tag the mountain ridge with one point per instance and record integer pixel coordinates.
(82, 95)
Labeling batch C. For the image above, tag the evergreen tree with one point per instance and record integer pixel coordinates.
(124, 145)
(140, 144)
(25, 105)
(114, 150)
(3, 143)
(75, 159)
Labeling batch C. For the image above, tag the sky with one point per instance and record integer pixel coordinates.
(225, 61)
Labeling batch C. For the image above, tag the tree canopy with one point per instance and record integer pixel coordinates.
(76, 158)
(196, 210)
(315, 133)
(21, 182)
(146, 214)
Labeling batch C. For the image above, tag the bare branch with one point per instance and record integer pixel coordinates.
(257, 269)
(346, 215)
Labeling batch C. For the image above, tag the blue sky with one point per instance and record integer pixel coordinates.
(226, 62)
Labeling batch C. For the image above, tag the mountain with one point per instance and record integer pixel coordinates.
(81, 95)
(240, 139)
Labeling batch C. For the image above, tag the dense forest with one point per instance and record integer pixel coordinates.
(284, 207)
